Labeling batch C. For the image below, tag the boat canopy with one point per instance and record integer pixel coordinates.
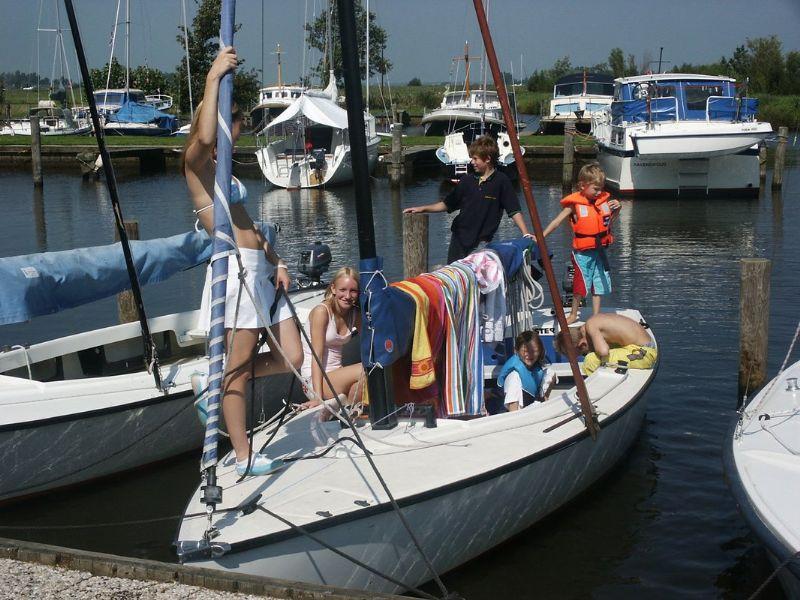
(674, 98)
(33, 285)
(135, 112)
(317, 109)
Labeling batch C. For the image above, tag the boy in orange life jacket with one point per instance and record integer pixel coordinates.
(590, 211)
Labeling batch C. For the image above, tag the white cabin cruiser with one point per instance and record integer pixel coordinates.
(676, 133)
(577, 97)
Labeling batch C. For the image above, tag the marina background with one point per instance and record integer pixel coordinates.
(662, 524)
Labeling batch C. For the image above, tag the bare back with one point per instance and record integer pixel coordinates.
(615, 330)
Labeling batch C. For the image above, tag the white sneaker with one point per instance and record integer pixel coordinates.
(260, 464)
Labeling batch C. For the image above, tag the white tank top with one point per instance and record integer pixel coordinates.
(332, 354)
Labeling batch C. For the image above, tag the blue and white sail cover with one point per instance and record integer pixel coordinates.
(224, 244)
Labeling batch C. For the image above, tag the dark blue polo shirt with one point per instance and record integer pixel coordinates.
(480, 207)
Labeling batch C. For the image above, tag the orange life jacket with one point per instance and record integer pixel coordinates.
(591, 221)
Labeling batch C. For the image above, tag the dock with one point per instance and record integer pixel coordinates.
(31, 570)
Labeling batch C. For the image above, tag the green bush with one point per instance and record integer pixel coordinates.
(415, 82)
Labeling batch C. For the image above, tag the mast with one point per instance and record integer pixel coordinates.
(583, 396)
(223, 246)
(280, 74)
(366, 70)
(150, 355)
(186, 46)
(127, 47)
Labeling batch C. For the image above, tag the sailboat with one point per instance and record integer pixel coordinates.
(128, 111)
(762, 468)
(308, 144)
(387, 505)
(53, 119)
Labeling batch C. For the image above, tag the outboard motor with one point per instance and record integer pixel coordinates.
(318, 156)
(314, 261)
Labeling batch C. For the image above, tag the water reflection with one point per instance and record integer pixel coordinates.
(662, 525)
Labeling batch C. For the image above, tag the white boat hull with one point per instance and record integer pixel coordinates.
(688, 141)
(762, 468)
(464, 487)
(630, 175)
(293, 172)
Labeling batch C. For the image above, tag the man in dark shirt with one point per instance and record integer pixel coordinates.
(480, 199)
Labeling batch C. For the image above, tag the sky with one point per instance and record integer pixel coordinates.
(423, 35)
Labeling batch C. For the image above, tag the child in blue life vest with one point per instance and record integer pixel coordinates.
(525, 377)
(590, 211)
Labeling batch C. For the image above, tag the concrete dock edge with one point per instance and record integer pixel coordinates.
(110, 565)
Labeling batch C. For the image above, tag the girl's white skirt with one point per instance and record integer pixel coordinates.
(257, 273)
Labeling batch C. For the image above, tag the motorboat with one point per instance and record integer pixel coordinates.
(52, 121)
(762, 468)
(454, 153)
(577, 97)
(675, 133)
(463, 108)
(308, 145)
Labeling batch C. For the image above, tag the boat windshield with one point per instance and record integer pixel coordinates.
(108, 97)
(575, 88)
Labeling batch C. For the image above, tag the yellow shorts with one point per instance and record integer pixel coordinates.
(637, 357)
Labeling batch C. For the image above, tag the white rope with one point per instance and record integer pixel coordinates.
(748, 414)
(27, 359)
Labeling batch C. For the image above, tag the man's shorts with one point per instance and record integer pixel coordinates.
(591, 273)
(638, 356)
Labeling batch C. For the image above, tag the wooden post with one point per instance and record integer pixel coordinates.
(415, 244)
(762, 162)
(36, 151)
(396, 168)
(753, 324)
(126, 305)
(780, 157)
(569, 156)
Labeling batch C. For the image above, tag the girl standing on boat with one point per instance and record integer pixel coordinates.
(259, 260)
(331, 325)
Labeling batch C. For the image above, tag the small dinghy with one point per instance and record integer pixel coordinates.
(762, 466)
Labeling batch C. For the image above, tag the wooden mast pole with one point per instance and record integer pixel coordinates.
(583, 396)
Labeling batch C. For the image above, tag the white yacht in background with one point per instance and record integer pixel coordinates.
(308, 145)
(462, 108)
(675, 133)
(52, 121)
(577, 97)
(274, 99)
(454, 153)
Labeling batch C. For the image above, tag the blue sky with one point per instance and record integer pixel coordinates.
(423, 34)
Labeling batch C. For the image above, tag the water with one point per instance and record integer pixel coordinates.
(661, 525)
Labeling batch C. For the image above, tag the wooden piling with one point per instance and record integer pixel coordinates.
(415, 244)
(753, 323)
(36, 151)
(126, 305)
(762, 162)
(396, 168)
(780, 157)
(569, 156)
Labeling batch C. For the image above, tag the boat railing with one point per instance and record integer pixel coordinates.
(731, 108)
(644, 110)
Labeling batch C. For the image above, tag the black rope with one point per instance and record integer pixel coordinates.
(373, 466)
(344, 555)
(774, 575)
(346, 438)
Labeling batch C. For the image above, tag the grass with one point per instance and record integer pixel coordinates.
(112, 141)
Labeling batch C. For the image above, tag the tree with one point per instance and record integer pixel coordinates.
(792, 68)
(415, 82)
(766, 64)
(203, 38)
(317, 36)
(100, 77)
(616, 62)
